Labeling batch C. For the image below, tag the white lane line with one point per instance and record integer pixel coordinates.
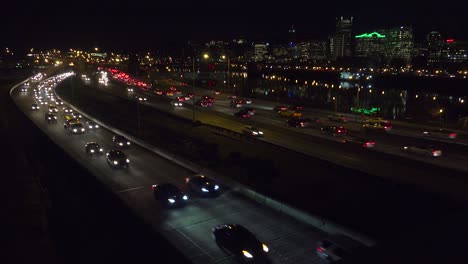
(193, 242)
(131, 189)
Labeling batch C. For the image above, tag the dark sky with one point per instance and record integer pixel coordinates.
(154, 24)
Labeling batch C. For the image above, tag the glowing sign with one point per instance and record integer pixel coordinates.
(371, 35)
(366, 111)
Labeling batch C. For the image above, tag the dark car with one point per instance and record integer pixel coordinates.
(169, 195)
(334, 130)
(252, 131)
(116, 158)
(202, 185)
(296, 107)
(424, 150)
(208, 98)
(120, 141)
(250, 110)
(92, 125)
(280, 108)
(236, 103)
(297, 122)
(360, 141)
(77, 128)
(240, 242)
(440, 133)
(242, 113)
(204, 103)
(93, 148)
(35, 107)
(337, 247)
(50, 118)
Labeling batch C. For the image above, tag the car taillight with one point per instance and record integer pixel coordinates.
(320, 249)
(452, 135)
(339, 131)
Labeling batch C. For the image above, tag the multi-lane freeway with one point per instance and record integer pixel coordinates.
(187, 228)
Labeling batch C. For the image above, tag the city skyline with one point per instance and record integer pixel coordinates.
(165, 25)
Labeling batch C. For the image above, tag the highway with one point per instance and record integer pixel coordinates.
(187, 228)
(386, 160)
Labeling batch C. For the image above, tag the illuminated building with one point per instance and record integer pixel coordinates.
(341, 40)
(455, 51)
(434, 44)
(399, 44)
(260, 51)
(369, 45)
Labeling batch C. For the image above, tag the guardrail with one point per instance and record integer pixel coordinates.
(307, 218)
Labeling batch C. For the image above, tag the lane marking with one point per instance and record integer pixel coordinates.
(193, 242)
(130, 189)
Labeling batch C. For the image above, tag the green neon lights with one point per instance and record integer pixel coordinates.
(366, 111)
(371, 35)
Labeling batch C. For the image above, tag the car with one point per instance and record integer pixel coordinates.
(120, 141)
(116, 158)
(93, 148)
(249, 110)
(377, 125)
(181, 98)
(337, 247)
(24, 89)
(187, 97)
(76, 128)
(290, 113)
(313, 121)
(176, 103)
(217, 92)
(169, 195)
(297, 122)
(67, 110)
(236, 103)
(280, 108)
(141, 98)
(246, 101)
(242, 113)
(76, 115)
(338, 118)
(204, 103)
(240, 242)
(92, 125)
(425, 150)
(360, 141)
(208, 98)
(69, 120)
(58, 102)
(296, 107)
(50, 118)
(440, 133)
(334, 130)
(252, 131)
(26, 84)
(35, 107)
(130, 89)
(202, 185)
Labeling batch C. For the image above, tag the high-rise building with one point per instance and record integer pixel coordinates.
(341, 40)
(434, 44)
(399, 44)
(260, 51)
(455, 51)
(292, 35)
(318, 50)
(369, 45)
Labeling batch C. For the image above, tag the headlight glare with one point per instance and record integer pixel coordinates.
(247, 254)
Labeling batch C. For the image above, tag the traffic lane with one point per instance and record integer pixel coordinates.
(195, 223)
(448, 159)
(289, 241)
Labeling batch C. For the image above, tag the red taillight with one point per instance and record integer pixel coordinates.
(320, 249)
(339, 131)
(153, 186)
(452, 135)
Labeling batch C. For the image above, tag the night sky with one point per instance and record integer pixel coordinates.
(156, 24)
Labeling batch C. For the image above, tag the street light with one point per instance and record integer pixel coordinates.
(228, 65)
(205, 56)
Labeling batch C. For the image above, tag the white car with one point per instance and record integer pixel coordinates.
(177, 104)
(424, 150)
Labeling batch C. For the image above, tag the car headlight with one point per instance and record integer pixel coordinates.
(171, 200)
(128, 143)
(75, 130)
(216, 187)
(185, 197)
(260, 132)
(247, 254)
(82, 130)
(254, 133)
(100, 149)
(265, 248)
(92, 151)
(116, 162)
(204, 190)
(96, 126)
(127, 160)
(90, 127)
(120, 144)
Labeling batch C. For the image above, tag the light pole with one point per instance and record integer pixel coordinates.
(205, 56)
(228, 67)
